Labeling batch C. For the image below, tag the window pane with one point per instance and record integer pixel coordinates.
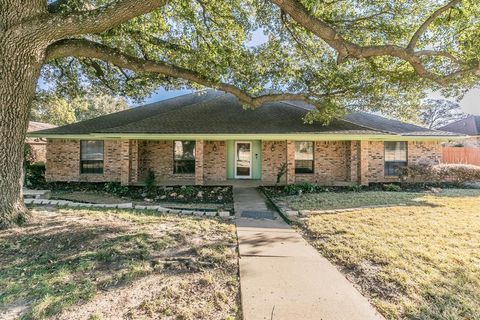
(304, 150)
(391, 168)
(304, 157)
(91, 156)
(184, 157)
(91, 150)
(184, 150)
(396, 151)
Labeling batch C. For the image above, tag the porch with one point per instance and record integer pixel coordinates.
(242, 163)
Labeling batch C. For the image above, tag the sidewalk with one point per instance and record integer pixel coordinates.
(283, 277)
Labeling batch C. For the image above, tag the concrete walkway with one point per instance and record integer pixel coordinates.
(283, 277)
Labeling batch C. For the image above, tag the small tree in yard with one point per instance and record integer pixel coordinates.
(337, 55)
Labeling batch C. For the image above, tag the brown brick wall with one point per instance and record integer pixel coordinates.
(38, 151)
(424, 152)
(274, 154)
(335, 161)
(63, 162)
(376, 156)
(215, 161)
(157, 155)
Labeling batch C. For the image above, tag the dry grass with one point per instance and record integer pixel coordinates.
(117, 264)
(415, 262)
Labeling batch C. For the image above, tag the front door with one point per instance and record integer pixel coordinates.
(243, 160)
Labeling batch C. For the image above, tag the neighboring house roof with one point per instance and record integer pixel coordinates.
(37, 126)
(216, 112)
(469, 126)
(34, 126)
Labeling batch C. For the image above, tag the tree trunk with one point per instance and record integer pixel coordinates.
(20, 63)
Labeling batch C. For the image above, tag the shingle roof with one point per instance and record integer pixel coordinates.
(392, 126)
(36, 126)
(469, 126)
(217, 112)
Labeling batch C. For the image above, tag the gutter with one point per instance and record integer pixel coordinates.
(248, 136)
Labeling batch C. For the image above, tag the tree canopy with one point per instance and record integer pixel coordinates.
(339, 55)
(60, 110)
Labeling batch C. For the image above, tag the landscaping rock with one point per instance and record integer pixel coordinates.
(198, 213)
(224, 214)
(210, 213)
(125, 205)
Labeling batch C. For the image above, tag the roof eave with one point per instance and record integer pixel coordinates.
(249, 136)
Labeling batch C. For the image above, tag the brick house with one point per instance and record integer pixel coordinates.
(38, 145)
(208, 138)
(469, 126)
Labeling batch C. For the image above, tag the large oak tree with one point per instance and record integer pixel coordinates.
(337, 54)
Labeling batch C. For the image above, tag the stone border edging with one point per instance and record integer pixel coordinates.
(129, 205)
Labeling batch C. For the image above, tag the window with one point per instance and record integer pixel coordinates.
(184, 157)
(91, 156)
(304, 157)
(395, 157)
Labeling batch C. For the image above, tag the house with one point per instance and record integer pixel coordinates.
(38, 145)
(208, 138)
(469, 126)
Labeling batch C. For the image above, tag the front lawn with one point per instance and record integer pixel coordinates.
(98, 264)
(420, 261)
(342, 200)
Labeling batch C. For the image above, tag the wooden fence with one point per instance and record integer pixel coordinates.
(466, 155)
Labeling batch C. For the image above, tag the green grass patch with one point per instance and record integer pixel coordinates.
(420, 261)
(343, 200)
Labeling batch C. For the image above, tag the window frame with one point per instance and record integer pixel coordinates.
(82, 169)
(402, 163)
(175, 167)
(312, 161)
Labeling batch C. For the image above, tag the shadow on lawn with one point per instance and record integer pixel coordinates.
(56, 263)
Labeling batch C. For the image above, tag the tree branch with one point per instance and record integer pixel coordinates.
(89, 49)
(346, 49)
(428, 22)
(100, 19)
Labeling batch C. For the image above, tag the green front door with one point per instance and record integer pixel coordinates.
(244, 159)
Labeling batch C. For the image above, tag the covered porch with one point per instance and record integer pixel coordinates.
(243, 162)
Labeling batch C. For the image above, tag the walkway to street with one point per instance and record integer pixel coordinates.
(283, 277)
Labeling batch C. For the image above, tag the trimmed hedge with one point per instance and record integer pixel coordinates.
(458, 173)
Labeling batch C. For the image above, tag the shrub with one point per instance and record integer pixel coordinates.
(304, 187)
(459, 173)
(281, 171)
(355, 187)
(150, 181)
(116, 188)
(34, 175)
(392, 187)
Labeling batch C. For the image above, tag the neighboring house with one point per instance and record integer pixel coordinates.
(38, 146)
(469, 126)
(208, 138)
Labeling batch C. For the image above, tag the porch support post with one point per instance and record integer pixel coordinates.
(363, 163)
(125, 162)
(199, 162)
(353, 154)
(134, 161)
(129, 161)
(290, 162)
